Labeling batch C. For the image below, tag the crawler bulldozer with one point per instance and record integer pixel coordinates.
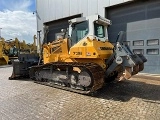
(82, 60)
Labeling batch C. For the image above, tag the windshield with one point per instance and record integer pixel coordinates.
(99, 30)
(79, 31)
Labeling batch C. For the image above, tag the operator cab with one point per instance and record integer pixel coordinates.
(13, 51)
(93, 26)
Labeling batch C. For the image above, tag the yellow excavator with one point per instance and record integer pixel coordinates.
(10, 49)
(82, 60)
(3, 57)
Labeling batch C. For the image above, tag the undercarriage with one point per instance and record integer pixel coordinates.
(82, 78)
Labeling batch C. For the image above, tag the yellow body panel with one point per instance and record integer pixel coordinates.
(55, 51)
(86, 50)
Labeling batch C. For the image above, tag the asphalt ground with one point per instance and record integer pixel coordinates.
(135, 99)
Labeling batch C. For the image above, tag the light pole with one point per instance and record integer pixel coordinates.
(39, 41)
(38, 32)
(0, 32)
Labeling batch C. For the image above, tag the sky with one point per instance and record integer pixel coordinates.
(17, 19)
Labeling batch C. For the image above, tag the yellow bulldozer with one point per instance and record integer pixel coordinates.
(10, 49)
(82, 60)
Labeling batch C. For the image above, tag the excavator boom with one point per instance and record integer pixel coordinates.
(10, 49)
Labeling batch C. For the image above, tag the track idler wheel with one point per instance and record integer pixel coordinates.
(85, 79)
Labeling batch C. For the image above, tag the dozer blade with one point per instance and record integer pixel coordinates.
(22, 65)
(20, 70)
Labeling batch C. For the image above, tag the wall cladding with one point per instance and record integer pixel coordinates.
(141, 21)
(55, 9)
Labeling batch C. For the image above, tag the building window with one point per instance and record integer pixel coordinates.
(138, 51)
(152, 51)
(153, 42)
(138, 43)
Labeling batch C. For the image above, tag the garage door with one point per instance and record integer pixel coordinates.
(141, 21)
(56, 26)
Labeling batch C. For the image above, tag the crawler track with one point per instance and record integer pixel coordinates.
(96, 74)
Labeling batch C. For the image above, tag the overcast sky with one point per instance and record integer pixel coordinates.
(17, 19)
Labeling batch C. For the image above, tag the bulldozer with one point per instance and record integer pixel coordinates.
(82, 60)
(10, 49)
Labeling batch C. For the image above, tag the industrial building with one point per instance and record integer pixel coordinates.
(139, 18)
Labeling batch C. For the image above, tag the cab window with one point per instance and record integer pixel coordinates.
(79, 31)
(99, 30)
